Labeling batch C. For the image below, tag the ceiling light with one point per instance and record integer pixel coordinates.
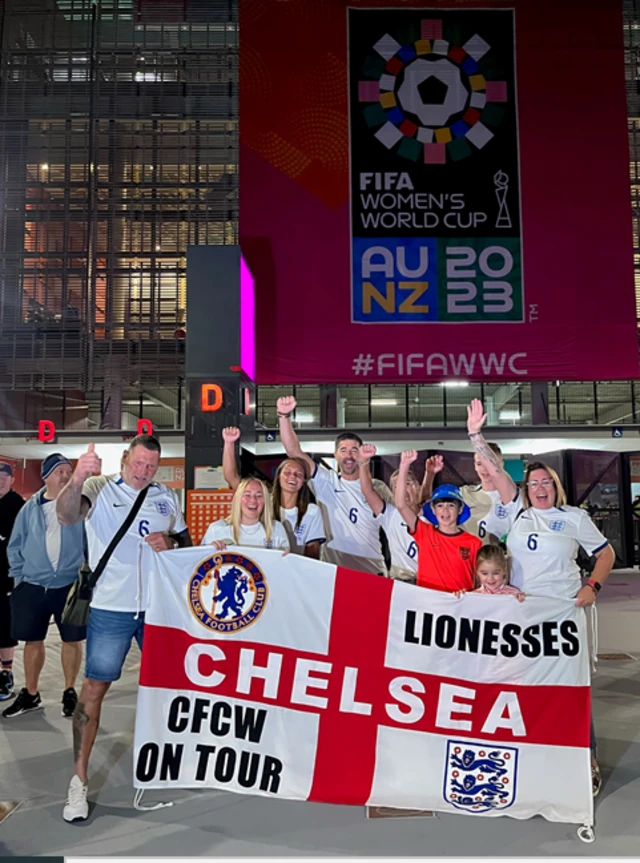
(304, 418)
(384, 402)
(455, 383)
(510, 415)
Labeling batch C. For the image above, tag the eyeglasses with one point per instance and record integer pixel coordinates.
(545, 483)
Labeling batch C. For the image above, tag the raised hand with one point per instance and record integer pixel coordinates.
(434, 464)
(230, 434)
(476, 417)
(286, 405)
(408, 457)
(367, 452)
(88, 464)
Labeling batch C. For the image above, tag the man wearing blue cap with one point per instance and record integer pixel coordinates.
(446, 552)
(10, 504)
(44, 558)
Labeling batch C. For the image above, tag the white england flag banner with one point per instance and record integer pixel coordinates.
(286, 677)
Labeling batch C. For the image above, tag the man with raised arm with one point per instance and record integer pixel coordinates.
(402, 547)
(121, 595)
(353, 536)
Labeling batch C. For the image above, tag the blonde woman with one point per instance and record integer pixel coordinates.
(250, 523)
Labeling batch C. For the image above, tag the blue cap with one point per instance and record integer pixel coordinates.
(6, 468)
(52, 462)
(446, 492)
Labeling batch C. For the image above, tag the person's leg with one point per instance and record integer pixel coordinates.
(86, 720)
(7, 648)
(71, 655)
(109, 637)
(29, 623)
(33, 665)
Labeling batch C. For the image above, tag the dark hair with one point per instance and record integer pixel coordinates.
(347, 436)
(494, 448)
(304, 495)
(148, 441)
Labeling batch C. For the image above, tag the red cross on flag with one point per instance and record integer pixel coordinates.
(287, 677)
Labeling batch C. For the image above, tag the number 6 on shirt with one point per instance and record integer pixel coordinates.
(532, 541)
(353, 514)
(143, 527)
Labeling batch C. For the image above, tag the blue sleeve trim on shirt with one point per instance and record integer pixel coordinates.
(600, 547)
(309, 541)
(182, 532)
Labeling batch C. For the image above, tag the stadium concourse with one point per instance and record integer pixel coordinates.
(35, 764)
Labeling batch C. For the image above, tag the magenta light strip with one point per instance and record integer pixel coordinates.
(247, 321)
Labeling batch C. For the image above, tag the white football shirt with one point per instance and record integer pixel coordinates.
(543, 545)
(402, 546)
(353, 537)
(311, 527)
(252, 535)
(123, 585)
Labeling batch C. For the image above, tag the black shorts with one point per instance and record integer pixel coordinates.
(5, 622)
(32, 608)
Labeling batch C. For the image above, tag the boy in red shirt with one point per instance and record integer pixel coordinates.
(446, 553)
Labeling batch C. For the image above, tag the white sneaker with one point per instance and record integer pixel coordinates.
(77, 808)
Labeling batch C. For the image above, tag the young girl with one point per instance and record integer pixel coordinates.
(492, 574)
(250, 522)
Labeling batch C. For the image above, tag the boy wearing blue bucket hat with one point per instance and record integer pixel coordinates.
(446, 552)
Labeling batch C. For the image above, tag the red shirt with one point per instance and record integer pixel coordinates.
(445, 562)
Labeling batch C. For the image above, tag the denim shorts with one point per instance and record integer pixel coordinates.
(109, 637)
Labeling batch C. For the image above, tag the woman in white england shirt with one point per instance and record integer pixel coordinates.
(544, 535)
(290, 501)
(250, 523)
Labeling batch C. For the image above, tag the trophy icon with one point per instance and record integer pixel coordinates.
(501, 181)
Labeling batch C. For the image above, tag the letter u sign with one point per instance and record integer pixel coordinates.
(210, 398)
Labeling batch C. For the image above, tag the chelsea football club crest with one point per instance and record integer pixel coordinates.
(227, 592)
(480, 778)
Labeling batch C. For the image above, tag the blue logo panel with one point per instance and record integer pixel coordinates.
(395, 279)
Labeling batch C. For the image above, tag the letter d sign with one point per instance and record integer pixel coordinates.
(145, 427)
(46, 431)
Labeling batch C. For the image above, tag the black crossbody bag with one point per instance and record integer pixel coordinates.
(76, 608)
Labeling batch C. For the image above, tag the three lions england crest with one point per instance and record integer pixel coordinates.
(479, 778)
(227, 592)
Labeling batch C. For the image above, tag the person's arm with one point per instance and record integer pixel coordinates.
(312, 550)
(285, 407)
(476, 418)
(16, 544)
(605, 558)
(407, 458)
(71, 506)
(230, 435)
(367, 452)
(432, 466)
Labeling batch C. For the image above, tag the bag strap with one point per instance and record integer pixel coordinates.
(124, 527)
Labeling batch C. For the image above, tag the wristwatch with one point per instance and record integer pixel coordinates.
(594, 585)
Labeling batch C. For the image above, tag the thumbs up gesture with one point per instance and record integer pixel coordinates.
(88, 464)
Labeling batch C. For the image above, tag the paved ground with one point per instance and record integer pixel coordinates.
(35, 767)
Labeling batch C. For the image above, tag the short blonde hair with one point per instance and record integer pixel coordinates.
(410, 476)
(561, 495)
(235, 519)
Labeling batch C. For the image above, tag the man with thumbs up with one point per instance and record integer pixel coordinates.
(121, 594)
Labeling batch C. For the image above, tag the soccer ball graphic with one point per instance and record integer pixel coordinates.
(432, 90)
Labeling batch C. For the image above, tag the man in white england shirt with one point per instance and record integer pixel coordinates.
(120, 597)
(353, 535)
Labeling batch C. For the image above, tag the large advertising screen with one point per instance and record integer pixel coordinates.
(423, 196)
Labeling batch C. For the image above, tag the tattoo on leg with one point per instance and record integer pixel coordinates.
(79, 721)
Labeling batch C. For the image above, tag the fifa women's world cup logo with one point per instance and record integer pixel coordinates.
(227, 592)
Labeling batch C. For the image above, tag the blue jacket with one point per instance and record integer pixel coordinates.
(27, 549)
